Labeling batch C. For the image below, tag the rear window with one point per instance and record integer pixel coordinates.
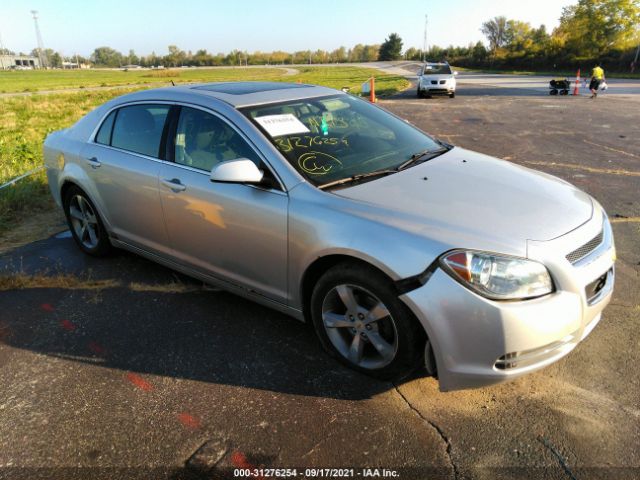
(138, 128)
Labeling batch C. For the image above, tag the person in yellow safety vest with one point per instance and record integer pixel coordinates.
(597, 76)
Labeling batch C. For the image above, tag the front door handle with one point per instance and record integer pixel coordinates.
(93, 162)
(174, 184)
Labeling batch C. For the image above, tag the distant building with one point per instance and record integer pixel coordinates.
(18, 62)
(74, 65)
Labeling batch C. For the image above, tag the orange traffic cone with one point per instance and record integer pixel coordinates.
(372, 90)
(575, 89)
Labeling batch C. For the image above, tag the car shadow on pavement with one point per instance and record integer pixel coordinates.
(124, 312)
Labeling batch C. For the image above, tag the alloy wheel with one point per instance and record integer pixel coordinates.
(360, 326)
(84, 221)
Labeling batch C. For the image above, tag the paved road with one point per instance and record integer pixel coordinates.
(511, 85)
(136, 366)
(121, 364)
(586, 407)
(508, 84)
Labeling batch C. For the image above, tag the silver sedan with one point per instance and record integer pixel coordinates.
(402, 250)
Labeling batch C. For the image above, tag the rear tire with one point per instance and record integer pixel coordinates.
(360, 320)
(85, 223)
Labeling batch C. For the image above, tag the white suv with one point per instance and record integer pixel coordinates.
(436, 79)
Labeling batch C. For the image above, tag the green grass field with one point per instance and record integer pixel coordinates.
(25, 121)
(35, 80)
(38, 80)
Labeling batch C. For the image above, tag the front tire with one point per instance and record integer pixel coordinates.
(85, 223)
(360, 320)
(452, 95)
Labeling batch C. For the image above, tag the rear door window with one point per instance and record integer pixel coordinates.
(138, 128)
(104, 134)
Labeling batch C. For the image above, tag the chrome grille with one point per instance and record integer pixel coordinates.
(586, 249)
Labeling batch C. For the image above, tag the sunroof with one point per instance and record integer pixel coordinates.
(243, 88)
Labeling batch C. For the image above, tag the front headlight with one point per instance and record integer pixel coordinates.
(498, 277)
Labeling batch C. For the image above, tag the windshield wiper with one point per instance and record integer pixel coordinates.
(357, 178)
(419, 157)
(422, 156)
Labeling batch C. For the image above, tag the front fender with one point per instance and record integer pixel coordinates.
(322, 224)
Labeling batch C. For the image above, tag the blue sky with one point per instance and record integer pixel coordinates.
(75, 26)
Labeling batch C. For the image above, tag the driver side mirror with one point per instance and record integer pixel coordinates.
(240, 170)
(455, 72)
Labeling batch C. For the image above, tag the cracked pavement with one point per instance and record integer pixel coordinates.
(121, 368)
(581, 416)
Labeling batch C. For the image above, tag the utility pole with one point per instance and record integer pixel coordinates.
(1, 54)
(41, 53)
(424, 45)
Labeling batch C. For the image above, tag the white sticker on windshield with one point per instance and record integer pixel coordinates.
(285, 124)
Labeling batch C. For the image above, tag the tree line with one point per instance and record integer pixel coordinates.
(605, 31)
(176, 57)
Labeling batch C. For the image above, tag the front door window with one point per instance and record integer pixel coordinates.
(203, 141)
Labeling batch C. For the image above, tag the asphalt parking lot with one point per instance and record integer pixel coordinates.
(119, 368)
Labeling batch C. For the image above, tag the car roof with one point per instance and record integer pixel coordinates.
(237, 94)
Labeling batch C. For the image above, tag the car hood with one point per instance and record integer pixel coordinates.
(464, 196)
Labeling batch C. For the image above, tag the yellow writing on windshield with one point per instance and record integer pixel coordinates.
(315, 123)
(287, 144)
(317, 163)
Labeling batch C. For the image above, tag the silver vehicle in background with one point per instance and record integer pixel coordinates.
(436, 79)
(401, 250)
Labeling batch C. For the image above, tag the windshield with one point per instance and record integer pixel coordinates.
(332, 138)
(437, 69)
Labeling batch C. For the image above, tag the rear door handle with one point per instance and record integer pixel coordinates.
(174, 184)
(94, 162)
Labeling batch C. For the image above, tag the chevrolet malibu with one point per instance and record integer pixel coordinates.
(402, 250)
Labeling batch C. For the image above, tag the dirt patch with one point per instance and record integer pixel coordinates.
(65, 281)
(36, 226)
(173, 287)
(16, 281)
